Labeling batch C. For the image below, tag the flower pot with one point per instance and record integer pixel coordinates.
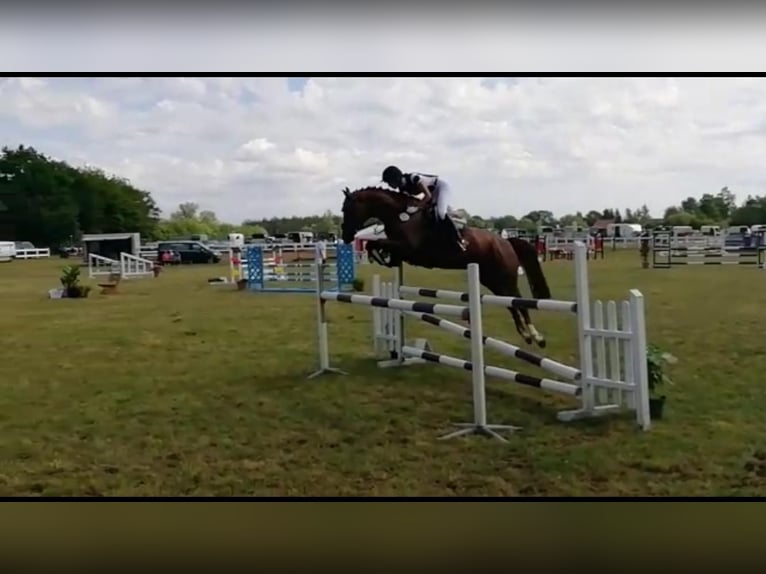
(156, 270)
(241, 284)
(656, 405)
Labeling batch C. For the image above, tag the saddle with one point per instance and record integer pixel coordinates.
(444, 230)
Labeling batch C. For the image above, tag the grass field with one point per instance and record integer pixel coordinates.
(174, 387)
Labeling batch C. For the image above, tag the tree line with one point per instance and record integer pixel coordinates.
(51, 203)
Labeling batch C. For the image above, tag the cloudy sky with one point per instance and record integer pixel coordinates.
(262, 147)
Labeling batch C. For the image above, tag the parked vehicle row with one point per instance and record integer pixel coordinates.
(185, 251)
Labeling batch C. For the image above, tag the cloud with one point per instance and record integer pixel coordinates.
(266, 146)
(249, 148)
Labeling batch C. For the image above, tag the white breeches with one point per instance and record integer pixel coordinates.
(443, 198)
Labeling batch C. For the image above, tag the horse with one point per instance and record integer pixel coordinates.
(412, 237)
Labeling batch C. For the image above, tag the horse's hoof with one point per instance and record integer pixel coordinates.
(542, 344)
(529, 340)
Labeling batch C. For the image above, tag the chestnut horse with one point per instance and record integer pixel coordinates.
(412, 236)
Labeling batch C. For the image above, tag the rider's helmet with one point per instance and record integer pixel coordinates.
(392, 175)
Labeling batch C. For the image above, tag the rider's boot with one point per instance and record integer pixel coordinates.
(455, 232)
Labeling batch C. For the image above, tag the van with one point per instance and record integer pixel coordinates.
(712, 230)
(7, 251)
(236, 240)
(623, 230)
(187, 251)
(681, 230)
(737, 230)
(545, 229)
(300, 237)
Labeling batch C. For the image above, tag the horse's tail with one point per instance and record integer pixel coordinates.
(527, 255)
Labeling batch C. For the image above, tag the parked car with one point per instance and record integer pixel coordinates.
(7, 251)
(188, 251)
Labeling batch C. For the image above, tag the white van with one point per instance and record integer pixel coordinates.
(236, 240)
(713, 230)
(300, 237)
(545, 230)
(681, 230)
(737, 230)
(7, 250)
(623, 230)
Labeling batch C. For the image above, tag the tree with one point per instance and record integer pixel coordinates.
(642, 215)
(50, 202)
(576, 219)
(593, 216)
(753, 212)
(186, 210)
(728, 199)
(208, 218)
(541, 217)
(504, 222)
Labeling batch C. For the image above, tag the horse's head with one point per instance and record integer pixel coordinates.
(361, 205)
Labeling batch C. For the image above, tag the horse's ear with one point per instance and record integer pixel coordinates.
(346, 191)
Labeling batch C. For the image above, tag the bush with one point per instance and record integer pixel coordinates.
(655, 361)
(70, 280)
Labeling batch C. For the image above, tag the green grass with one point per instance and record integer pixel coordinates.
(174, 387)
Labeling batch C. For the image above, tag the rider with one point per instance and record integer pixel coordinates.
(417, 183)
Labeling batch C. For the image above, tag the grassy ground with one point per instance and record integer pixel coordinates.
(175, 387)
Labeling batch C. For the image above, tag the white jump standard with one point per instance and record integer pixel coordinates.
(612, 375)
(665, 254)
(129, 266)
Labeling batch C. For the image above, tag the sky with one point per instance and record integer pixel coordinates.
(257, 147)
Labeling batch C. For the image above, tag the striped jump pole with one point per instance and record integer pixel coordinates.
(559, 369)
(666, 255)
(507, 374)
(472, 312)
(400, 304)
(496, 300)
(612, 373)
(611, 345)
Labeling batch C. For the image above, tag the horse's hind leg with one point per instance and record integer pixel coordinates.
(520, 324)
(536, 335)
(520, 316)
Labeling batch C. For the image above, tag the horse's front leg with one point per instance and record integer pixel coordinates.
(374, 255)
(390, 246)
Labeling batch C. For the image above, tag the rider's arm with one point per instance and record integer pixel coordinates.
(421, 185)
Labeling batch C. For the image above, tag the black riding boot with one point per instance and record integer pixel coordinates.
(454, 232)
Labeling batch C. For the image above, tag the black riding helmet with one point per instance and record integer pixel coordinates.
(392, 175)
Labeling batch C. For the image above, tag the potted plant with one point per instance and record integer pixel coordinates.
(656, 359)
(70, 281)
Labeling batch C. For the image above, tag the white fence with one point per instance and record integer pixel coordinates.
(128, 267)
(99, 266)
(132, 266)
(33, 253)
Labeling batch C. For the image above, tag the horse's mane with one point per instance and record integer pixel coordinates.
(393, 193)
(375, 188)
